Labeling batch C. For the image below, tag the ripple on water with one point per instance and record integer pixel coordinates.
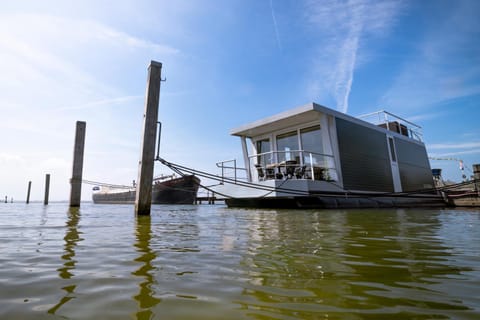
(211, 262)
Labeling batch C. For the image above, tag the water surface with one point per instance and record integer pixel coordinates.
(211, 262)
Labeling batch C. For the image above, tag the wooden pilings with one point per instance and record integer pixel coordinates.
(76, 180)
(143, 198)
(209, 197)
(47, 188)
(28, 191)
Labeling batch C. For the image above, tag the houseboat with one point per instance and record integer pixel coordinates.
(316, 157)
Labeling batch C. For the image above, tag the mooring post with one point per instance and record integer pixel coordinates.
(143, 197)
(476, 176)
(76, 181)
(47, 188)
(28, 191)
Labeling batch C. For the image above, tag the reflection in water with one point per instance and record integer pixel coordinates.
(146, 296)
(43, 221)
(72, 237)
(377, 262)
(399, 261)
(212, 262)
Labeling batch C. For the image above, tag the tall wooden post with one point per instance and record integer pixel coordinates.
(47, 188)
(143, 197)
(76, 181)
(28, 191)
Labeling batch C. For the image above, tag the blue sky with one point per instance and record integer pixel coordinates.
(227, 63)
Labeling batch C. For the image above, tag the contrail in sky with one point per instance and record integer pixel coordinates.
(275, 25)
(343, 26)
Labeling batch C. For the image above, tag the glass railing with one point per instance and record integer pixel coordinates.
(281, 165)
(293, 164)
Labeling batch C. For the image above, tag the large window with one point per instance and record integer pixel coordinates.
(263, 146)
(287, 146)
(311, 138)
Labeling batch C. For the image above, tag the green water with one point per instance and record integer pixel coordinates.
(211, 262)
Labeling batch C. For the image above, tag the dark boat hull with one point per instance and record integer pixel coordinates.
(337, 201)
(181, 190)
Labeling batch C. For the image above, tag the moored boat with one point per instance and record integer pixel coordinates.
(313, 156)
(169, 189)
(464, 194)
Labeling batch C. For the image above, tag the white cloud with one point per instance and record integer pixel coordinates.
(464, 145)
(455, 151)
(56, 70)
(50, 55)
(104, 102)
(7, 159)
(425, 116)
(344, 25)
(447, 63)
(455, 154)
(121, 38)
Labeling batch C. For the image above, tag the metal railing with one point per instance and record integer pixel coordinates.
(229, 171)
(394, 123)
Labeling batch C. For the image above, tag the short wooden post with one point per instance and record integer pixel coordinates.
(76, 181)
(28, 191)
(143, 197)
(47, 188)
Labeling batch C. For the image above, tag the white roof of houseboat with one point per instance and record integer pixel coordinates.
(312, 112)
(306, 113)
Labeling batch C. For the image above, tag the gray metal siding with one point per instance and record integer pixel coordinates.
(415, 171)
(364, 157)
